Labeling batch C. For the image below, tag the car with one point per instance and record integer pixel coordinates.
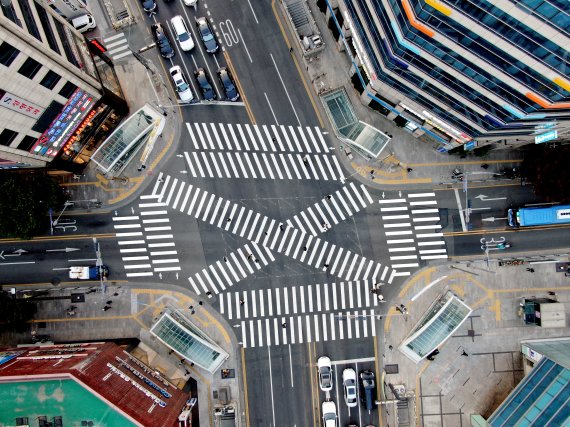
(182, 86)
(84, 23)
(228, 84)
(162, 40)
(207, 35)
(182, 34)
(192, 3)
(149, 6)
(329, 414)
(349, 385)
(367, 386)
(325, 373)
(205, 84)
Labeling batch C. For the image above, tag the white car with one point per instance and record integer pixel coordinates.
(84, 23)
(349, 385)
(325, 373)
(329, 414)
(181, 33)
(182, 86)
(192, 3)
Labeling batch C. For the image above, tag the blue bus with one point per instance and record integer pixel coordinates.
(539, 215)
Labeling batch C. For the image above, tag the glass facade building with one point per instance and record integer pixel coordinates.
(463, 71)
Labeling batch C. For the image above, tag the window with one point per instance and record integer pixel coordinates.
(50, 79)
(27, 143)
(48, 30)
(67, 90)
(30, 68)
(7, 54)
(7, 136)
(29, 19)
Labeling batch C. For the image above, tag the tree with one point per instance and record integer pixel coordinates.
(25, 203)
(548, 169)
(15, 313)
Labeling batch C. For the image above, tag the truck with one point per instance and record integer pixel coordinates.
(92, 272)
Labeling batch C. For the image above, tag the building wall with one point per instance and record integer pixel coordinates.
(62, 66)
(489, 70)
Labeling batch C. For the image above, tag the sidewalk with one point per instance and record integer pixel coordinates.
(454, 386)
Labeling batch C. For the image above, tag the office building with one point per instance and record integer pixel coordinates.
(458, 72)
(56, 103)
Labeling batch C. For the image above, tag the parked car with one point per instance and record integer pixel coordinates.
(205, 84)
(207, 35)
(367, 387)
(228, 84)
(149, 6)
(349, 385)
(84, 23)
(329, 414)
(181, 33)
(325, 373)
(162, 40)
(182, 86)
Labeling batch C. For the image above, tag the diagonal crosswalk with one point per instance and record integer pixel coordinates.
(146, 242)
(412, 229)
(227, 151)
(272, 235)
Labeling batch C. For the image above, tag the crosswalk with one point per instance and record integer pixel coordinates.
(222, 150)
(146, 242)
(298, 329)
(293, 300)
(117, 47)
(412, 229)
(296, 238)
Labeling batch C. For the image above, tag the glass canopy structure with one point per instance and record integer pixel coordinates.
(186, 339)
(143, 127)
(441, 321)
(363, 137)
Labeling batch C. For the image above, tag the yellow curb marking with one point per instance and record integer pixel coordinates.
(240, 88)
(471, 162)
(377, 369)
(244, 372)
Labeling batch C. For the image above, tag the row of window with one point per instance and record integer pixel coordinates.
(31, 67)
(552, 11)
(8, 136)
(517, 32)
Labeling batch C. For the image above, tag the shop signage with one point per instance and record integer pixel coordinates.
(64, 124)
(97, 45)
(545, 137)
(20, 105)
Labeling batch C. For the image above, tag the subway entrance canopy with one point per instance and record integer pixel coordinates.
(442, 319)
(364, 138)
(142, 128)
(179, 334)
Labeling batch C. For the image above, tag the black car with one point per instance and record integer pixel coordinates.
(149, 6)
(228, 84)
(207, 35)
(162, 40)
(205, 84)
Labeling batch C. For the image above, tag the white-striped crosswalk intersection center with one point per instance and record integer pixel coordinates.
(293, 300)
(317, 218)
(145, 241)
(259, 229)
(117, 46)
(260, 152)
(412, 230)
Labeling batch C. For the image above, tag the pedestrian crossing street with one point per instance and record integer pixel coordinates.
(222, 150)
(412, 230)
(293, 300)
(266, 235)
(117, 47)
(145, 241)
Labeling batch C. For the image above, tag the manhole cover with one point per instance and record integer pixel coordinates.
(391, 369)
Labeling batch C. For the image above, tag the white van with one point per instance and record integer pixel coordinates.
(84, 23)
(182, 34)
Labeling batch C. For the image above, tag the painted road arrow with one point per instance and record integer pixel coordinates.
(63, 250)
(17, 252)
(484, 198)
(492, 218)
